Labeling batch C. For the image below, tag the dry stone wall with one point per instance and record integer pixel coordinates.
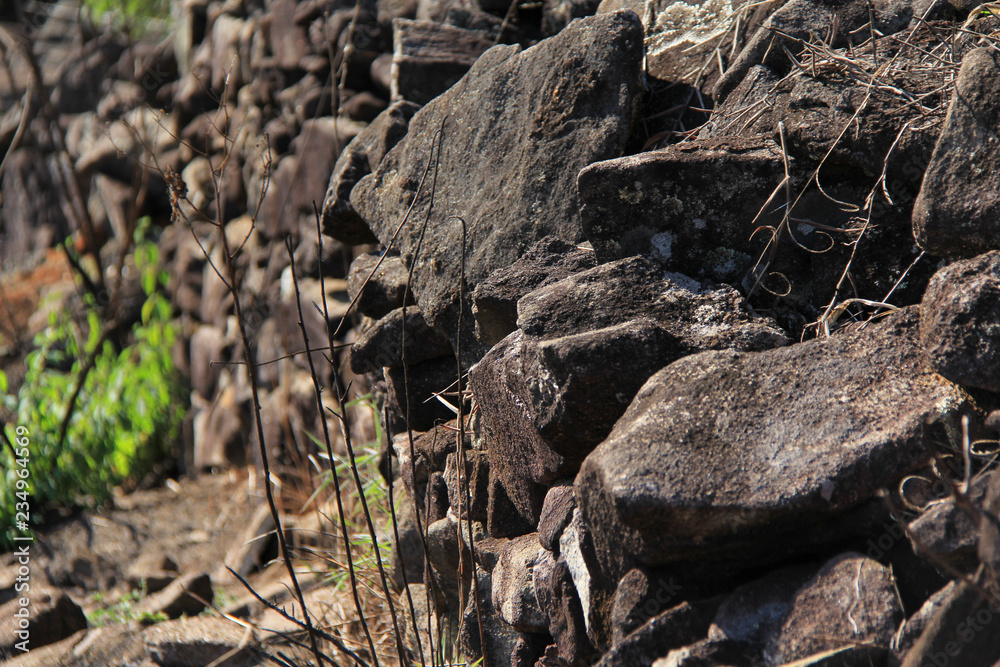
(727, 340)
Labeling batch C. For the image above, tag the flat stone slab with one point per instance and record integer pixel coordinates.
(723, 451)
(690, 205)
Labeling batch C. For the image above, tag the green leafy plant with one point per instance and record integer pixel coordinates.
(135, 14)
(126, 418)
(122, 611)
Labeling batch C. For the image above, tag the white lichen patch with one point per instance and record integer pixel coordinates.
(682, 281)
(683, 23)
(662, 244)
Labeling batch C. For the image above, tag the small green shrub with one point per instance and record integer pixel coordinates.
(127, 416)
(135, 14)
(123, 611)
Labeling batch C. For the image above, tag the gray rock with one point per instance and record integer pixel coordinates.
(674, 628)
(851, 601)
(989, 539)
(557, 510)
(689, 204)
(382, 346)
(798, 19)
(642, 595)
(723, 452)
(476, 480)
(45, 616)
(962, 632)
(947, 533)
(423, 381)
(430, 57)
(220, 430)
(185, 596)
(200, 641)
(364, 107)
(755, 612)
(443, 556)
(958, 209)
(559, 601)
(358, 159)
(380, 292)
(494, 301)
(958, 317)
(576, 549)
(288, 40)
(208, 344)
(513, 585)
(247, 554)
(525, 123)
(557, 14)
(503, 644)
(911, 628)
(550, 393)
(706, 653)
(503, 518)
(407, 561)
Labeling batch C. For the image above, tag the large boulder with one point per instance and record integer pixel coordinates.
(503, 147)
(728, 453)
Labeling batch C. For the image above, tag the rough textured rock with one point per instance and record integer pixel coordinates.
(504, 520)
(407, 565)
(706, 653)
(385, 291)
(424, 380)
(503, 644)
(200, 641)
(799, 18)
(557, 510)
(677, 480)
(494, 301)
(950, 531)
(548, 394)
(958, 322)
(187, 596)
(513, 585)
(527, 122)
(477, 477)
(44, 617)
(690, 204)
(642, 595)
(674, 628)
(962, 632)
(914, 626)
(852, 600)
(958, 209)
(382, 345)
(989, 540)
(429, 57)
(358, 159)
(755, 612)
(558, 600)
